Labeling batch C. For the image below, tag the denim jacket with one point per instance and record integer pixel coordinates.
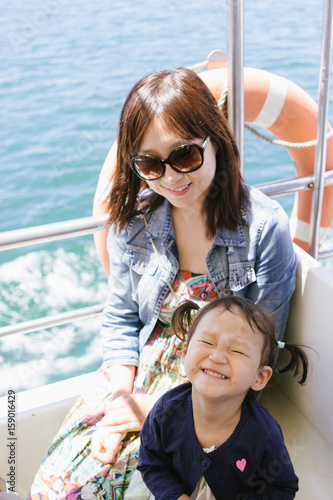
(256, 261)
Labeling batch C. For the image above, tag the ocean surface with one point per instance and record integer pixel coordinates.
(66, 68)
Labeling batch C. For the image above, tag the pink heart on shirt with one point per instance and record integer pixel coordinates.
(241, 464)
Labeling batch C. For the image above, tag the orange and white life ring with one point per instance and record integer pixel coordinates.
(286, 110)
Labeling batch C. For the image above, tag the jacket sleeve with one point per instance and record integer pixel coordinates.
(155, 465)
(121, 323)
(275, 268)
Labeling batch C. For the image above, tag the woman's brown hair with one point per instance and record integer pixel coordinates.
(188, 109)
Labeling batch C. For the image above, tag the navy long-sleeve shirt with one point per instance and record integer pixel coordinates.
(252, 464)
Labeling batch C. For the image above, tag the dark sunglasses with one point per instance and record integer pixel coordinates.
(185, 158)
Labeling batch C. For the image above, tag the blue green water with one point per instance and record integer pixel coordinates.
(66, 68)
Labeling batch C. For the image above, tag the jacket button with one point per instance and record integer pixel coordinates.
(204, 463)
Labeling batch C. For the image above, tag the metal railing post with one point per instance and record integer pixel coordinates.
(235, 74)
(321, 148)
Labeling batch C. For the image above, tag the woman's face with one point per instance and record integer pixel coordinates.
(182, 190)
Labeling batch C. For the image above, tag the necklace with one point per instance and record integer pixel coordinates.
(157, 254)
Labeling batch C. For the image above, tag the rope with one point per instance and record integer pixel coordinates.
(198, 66)
(276, 142)
(224, 95)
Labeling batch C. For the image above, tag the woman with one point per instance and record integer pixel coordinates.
(183, 226)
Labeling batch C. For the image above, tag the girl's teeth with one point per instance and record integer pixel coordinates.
(218, 375)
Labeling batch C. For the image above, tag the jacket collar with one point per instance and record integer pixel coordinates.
(160, 222)
(160, 226)
(226, 237)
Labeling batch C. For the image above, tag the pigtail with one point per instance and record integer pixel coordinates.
(182, 318)
(298, 363)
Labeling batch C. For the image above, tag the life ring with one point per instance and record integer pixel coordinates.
(286, 110)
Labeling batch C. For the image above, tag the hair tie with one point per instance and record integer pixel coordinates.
(280, 344)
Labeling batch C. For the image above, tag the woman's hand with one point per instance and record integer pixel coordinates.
(126, 413)
(106, 445)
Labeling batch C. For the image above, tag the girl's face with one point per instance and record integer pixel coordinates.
(182, 190)
(223, 357)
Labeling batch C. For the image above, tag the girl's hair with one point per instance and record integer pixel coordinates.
(260, 319)
(188, 109)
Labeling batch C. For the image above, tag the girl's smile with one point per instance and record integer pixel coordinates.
(215, 374)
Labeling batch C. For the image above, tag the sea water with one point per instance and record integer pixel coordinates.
(66, 68)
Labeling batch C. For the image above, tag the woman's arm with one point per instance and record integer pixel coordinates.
(100, 206)
(125, 412)
(121, 379)
(275, 268)
(105, 442)
(121, 323)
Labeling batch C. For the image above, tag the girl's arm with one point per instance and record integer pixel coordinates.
(155, 465)
(275, 478)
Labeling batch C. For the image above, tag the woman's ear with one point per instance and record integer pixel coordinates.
(262, 378)
(215, 146)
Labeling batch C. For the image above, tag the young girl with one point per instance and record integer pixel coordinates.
(210, 438)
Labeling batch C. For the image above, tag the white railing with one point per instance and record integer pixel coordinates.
(89, 225)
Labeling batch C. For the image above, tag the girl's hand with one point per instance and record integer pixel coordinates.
(106, 445)
(127, 413)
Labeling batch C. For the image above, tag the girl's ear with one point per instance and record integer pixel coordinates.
(262, 378)
(184, 351)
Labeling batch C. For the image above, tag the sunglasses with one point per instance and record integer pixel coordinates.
(183, 159)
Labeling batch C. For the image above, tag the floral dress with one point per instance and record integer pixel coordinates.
(68, 470)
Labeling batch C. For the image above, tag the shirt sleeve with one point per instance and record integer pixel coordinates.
(275, 268)
(154, 464)
(121, 323)
(275, 479)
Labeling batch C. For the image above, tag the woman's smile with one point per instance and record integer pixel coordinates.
(180, 191)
